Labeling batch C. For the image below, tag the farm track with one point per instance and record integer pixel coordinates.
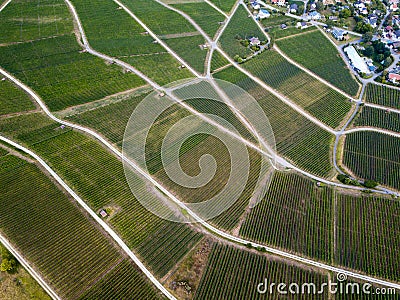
(104, 225)
(200, 221)
(205, 224)
(214, 46)
(27, 266)
(3, 5)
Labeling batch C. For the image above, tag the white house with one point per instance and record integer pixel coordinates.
(255, 5)
(254, 41)
(301, 25)
(314, 15)
(356, 60)
(263, 14)
(338, 34)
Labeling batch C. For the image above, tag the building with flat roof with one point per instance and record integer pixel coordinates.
(356, 60)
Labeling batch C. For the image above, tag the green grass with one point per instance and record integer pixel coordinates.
(25, 20)
(373, 117)
(373, 155)
(188, 48)
(13, 100)
(204, 15)
(160, 19)
(298, 139)
(20, 285)
(99, 178)
(318, 99)
(368, 235)
(244, 271)
(276, 19)
(224, 5)
(243, 27)
(382, 95)
(58, 229)
(294, 215)
(326, 62)
(61, 75)
(218, 61)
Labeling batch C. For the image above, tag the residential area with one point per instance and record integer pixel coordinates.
(366, 32)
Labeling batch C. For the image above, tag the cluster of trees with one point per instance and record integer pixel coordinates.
(363, 27)
(347, 180)
(8, 261)
(378, 52)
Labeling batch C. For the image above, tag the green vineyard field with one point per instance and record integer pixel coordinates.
(326, 62)
(373, 155)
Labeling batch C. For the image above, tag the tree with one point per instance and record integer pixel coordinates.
(345, 13)
(8, 265)
(370, 184)
(367, 37)
(369, 51)
(319, 6)
(363, 27)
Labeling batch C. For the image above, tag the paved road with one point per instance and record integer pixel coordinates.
(373, 129)
(199, 220)
(3, 6)
(104, 225)
(28, 267)
(216, 8)
(154, 36)
(182, 205)
(215, 46)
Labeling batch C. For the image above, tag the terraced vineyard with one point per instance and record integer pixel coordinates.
(112, 31)
(325, 62)
(99, 178)
(225, 5)
(294, 215)
(160, 19)
(204, 15)
(318, 99)
(52, 235)
(368, 235)
(122, 282)
(189, 49)
(110, 120)
(373, 155)
(27, 20)
(372, 117)
(62, 75)
(279, 33)
(41, 46)
(12, 99)
(240, 26)
(382, 95)
(55, 68)
(218, 61)
(302, 142)
(246, 271)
